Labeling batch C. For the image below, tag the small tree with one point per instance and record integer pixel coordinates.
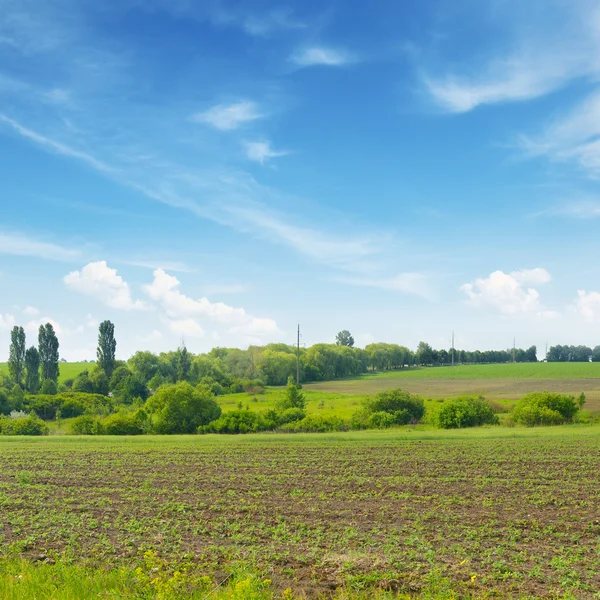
(183, 362)
(16, 359)
(32, 370)
(48, 350)
(344, 338)
(292, 397)
(49, 387)
(107, 347)
(181, 408)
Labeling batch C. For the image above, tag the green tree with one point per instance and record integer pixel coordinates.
(424, 354)
(100, 382)
(292, 397)
(344, 338)
(16, 359)
(16, 397)
(183, 363)
(32, 370)
(82, 383)
(107, 347)
(49, 387)
(48, 350)
(181, 408)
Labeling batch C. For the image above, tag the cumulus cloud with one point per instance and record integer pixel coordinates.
(321, 56)
(182, 312)
(506, 292)
(33, 327)
(588, 305)
(31, 311)
(229, 116)
(99, 281)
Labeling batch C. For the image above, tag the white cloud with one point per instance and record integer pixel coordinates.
(55, 146)
(572, 137)
(31, 311)
(7, 321)
(153, 336)
(261, 151)
(533, 61)
(182, 312)
(321, 56)
(588, 305)
(33, 327)
(265, 25)
(506, 293)
(185, 327)
(229, 116)
(257, 327)
(164, 289)
(91, 323)
(20, 245)
(98, 280)
(411, 283)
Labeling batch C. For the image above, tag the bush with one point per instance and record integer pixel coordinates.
(387, 409)
(70, 404)
(465, 411)
(87, 425)
(5, 406)
(124, 424)
(49, 387)
(31, 425)
(181, 408)
(239, 421)
(546, 408)
(316, 424)
(83, 384)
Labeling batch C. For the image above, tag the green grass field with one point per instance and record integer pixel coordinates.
(501, 371)
(406, 513)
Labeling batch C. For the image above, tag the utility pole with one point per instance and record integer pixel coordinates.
(453, 348)
(298, 359)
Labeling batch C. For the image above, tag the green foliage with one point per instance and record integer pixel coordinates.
(32, 370)
(546, 408)
(344, 338)
(31, 425)
(465, 411)
(70, 404)
(126, 386)
(125, 423)
(87, 425)
(5, 406)
(16, 359)
(49, 387)
(292, 397)
(316, 424)
(16, 397)
(82, 383)
(386, 409)
(100, 382)
(107, 346)
(48, 350)
(240, 421)
(181, 408)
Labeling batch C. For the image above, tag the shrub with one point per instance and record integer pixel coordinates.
(31, 425)
(181, 408)
(70, 404)
(316, 424)
(239, 421)
(546, 408)
(386, 409)
(123, 424)
(5, 407)
(49, 387)
(465, 411)
(83, 384)
(87, 425)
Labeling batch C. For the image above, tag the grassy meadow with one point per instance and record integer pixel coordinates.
(405, 513)
(68, 370)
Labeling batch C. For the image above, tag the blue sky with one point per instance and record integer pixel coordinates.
(220, 171)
